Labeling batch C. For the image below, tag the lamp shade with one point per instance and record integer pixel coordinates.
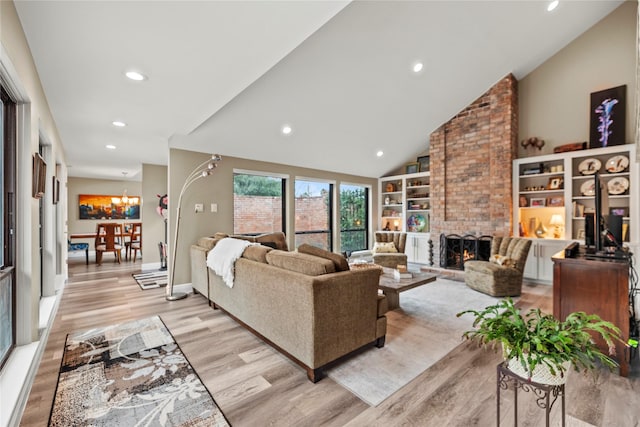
(556, 219)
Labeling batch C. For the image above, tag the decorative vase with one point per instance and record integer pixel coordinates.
(541, 373)
(541, 230)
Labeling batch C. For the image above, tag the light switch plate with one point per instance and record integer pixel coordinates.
(214, 207)
(199, 207)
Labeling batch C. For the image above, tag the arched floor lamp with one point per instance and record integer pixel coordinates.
(202, 170)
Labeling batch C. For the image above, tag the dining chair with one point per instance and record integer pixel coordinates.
(107, 235)
(72, 247)
(135, 240)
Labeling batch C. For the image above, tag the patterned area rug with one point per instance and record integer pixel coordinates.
(151, 279)
(131, 374)
(421, 332)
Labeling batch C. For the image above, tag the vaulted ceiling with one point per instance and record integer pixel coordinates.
(225, 77)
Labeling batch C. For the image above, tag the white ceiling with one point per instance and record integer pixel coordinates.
(225, 76)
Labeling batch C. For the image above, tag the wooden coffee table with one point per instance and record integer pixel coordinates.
(392, 287)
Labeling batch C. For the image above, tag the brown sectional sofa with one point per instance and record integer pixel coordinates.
(303, 303)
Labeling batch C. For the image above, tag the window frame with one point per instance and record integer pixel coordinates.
(284, 182)
(331, 206)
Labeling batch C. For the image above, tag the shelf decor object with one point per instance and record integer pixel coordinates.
(201, 171)
(557, 222)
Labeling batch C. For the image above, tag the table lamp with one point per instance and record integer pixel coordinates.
(556, 221)
(396, 223)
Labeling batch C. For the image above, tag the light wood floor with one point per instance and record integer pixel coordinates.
(256, 386)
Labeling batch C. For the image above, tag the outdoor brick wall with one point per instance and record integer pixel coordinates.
(471, 158)
(259, 214)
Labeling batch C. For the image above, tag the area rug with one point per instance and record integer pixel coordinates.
(130, 374)
(422, 331)
(151, 279)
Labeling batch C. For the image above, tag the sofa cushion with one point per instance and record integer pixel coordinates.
(338, 260)
(256, 253)
(208, 242)
(301, 263)
(384, 248)
(278, 238)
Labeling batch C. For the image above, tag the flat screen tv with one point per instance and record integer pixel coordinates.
(603, 230)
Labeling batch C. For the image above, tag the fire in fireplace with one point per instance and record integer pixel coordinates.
(455, 250)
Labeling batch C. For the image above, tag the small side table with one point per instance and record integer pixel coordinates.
(543, 393)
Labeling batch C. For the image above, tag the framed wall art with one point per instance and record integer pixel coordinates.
(423, 163)
(538, 202)
(412, 167)
(607, 122)
(94, 206)
(555, 201)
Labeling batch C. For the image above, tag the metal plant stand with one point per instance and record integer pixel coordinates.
(546, 395)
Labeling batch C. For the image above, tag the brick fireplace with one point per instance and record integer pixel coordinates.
(471, 163)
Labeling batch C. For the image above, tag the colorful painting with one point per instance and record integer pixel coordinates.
(108, 207)
(608, 117)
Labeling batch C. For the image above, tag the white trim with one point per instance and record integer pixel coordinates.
(261, 173)
(10, 80)
(318, 180)
(25, 358)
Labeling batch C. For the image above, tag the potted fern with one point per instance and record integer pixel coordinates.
(540, 347)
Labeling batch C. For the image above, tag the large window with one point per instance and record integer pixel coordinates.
(7, 242)
(258, 203)
(354, 214)
(314, 202)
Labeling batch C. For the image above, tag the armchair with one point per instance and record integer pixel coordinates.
(391, 259)
(501, 276)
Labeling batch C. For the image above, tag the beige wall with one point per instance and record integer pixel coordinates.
(19, 74)
(555, 97)
(218, 188)
(154, 182)
(79, 186)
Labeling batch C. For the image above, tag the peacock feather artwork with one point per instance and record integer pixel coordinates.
(605, 118)
(608, 117)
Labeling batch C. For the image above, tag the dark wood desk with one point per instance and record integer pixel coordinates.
(595, 286)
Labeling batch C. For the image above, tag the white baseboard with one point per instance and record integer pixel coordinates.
(151, 266)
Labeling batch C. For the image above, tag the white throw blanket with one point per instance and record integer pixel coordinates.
(223, 256)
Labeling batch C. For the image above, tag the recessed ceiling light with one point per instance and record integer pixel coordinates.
(110, 146)
(134, 75)
(286, 130)
(552, 5)
(380, 153)
(417, 67)
(118, 124)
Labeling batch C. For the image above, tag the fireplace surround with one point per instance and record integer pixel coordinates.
(455, 250)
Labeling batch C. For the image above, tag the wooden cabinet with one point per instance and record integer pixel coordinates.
(417, 248)
(596, 287)
(539, 266)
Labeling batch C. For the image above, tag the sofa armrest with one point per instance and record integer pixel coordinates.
(199, 270)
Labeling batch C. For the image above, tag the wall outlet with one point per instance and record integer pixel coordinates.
(214, 207)
(199, 207)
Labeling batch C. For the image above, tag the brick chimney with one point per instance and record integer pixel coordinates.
(471, 163)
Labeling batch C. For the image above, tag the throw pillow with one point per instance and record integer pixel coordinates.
(502, 260)
(384, 248)
(256, 253)
(339, 261)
